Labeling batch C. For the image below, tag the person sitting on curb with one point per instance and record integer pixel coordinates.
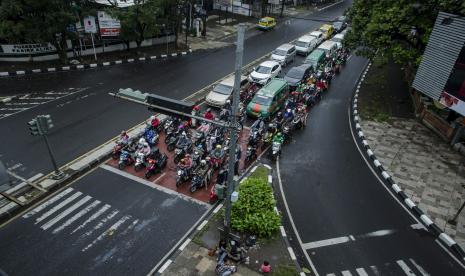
(225, 269)
(265, 268)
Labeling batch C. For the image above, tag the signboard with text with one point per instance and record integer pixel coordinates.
(89, 24)
(109, 27)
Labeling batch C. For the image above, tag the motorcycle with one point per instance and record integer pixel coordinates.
(151, 137)
(251, 154)
(217, 160)
(182, 175)
(156, 164)
(267, 138)
(140, 161)
(287, 133)
(275, 150)
(254, 137)
(117, 150)
(198, 137)
(125, 159)
(171, 143)
(181, 150)
(199, 181)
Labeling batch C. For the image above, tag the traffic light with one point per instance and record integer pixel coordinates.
(46, 122)
(34, 127)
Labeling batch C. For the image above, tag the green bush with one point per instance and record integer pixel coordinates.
(254, 211)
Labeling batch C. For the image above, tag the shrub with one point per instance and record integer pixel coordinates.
(254, 211)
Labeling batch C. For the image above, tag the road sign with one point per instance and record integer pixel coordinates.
(89, 25)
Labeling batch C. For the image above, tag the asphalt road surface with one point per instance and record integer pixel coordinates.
(89, 117)
(103, 224)
(347, 221)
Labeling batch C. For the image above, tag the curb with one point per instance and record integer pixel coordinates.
(81, 67)
(443, 238)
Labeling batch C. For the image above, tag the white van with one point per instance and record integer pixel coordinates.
(329, 47)
(338, 39)
(222, 91)
(305, 44)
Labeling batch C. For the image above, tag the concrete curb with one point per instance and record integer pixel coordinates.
(90, 66)
(443, 238)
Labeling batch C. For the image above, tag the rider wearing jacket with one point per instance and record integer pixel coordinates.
(278, 138)
(123, 138)
(288, 115)
(218, 152)
(209, 114)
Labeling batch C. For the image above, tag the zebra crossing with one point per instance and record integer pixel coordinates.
(398, 267)
(86, 220)
(21, 103)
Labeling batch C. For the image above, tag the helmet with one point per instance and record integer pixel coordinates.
(141, 141)
(183, 133)
(228, 101)
(218, 146)
(288, 110)
(209, 109)
(270, 125)
(203, 162)
(146, 144)
(123, 132)
(152, 117)
(208, 158)
(280, 113)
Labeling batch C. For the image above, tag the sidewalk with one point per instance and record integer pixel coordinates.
(426, 168)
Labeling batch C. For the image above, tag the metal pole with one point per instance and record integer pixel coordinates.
(454, 220)
(93, 45)
(58, 173)
(232, 149)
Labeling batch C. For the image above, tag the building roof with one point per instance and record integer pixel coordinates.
(444, 46)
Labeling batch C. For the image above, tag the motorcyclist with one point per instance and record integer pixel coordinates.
(209, 114)
(271, 129)
(141, 143)
(123, 139)
(228, 106)
(288, 115)
(183, 140)
(217, 152)
(278, 138)
(185, 163)
(146, 150)
(225, 113)
(258, 125)
(195, 112)
(188, 160)
(203, 167)
(154, 122)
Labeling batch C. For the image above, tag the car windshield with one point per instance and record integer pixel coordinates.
(295, 73)
(222, 89)
(301, 44)
(337, 25)
(262, 100)
(263, 69)
(279, 52)
(264, 21)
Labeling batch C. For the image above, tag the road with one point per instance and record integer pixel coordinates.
(88, 117)
(87, 231)
(347, 221)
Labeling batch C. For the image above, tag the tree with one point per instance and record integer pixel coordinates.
(398, 29)
(37, 21)
(139, 21)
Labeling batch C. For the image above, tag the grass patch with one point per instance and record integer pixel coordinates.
(260, 173)
(198, 237)
(285, 270)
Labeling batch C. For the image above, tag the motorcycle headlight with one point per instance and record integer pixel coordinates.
(179, 173)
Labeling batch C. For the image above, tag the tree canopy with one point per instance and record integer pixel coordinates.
(399, 29)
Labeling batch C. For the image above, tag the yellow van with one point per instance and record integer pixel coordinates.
(327, 30)
(266, 23)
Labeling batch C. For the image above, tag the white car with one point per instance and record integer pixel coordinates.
(222, 91)
(265, 72)
(318, 35)
(338, 39)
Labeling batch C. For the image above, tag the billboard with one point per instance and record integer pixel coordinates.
(453, 95)
(109, 27)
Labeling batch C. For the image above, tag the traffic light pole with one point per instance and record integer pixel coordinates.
(232, 149)
(58, 174)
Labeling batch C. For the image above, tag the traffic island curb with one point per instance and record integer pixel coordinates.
(80, 67)
(405, 200)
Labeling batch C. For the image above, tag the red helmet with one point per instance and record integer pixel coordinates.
(196, 108)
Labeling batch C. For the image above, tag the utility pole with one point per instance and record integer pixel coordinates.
(41, 125)
(232, 149)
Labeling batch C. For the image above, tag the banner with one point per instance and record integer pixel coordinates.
(453, 95)
(89, 25)
(108, 26)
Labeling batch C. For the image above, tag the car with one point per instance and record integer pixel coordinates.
(305, 44)
(339, 26)
(327, 30)
(295, 76)
(266, 23)
(269, 99)
(342, 18)
(318, 35)
(316, 58)
(284, 54)
(329, 47)
(222, 91)
(338, 39)
(265, 72)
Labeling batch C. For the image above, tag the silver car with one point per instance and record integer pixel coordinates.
(222, 91)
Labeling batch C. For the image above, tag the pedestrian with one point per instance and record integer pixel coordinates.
(265, 268)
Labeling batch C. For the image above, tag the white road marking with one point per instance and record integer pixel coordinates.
(346, 273)
(291, 253)
(184, 244)
(110, 231)
(405, 268)
(92, 218)
(327, 242)
(16, 103)
(76, 216)
(101, 223)
(58, 207)
(218, 208)
(361, 271)
(165, 266)
(331, 274)
(378, 233)
(352, 237)
(421, 269)
(47, 203)
(202, 225)
(66, 212)
(374, 269)
(13, 109)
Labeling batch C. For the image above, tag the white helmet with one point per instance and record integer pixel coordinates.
(146, 144)
(183, 133)
(203, 162)
(152, 117)
(228, 101)
(141, 140)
